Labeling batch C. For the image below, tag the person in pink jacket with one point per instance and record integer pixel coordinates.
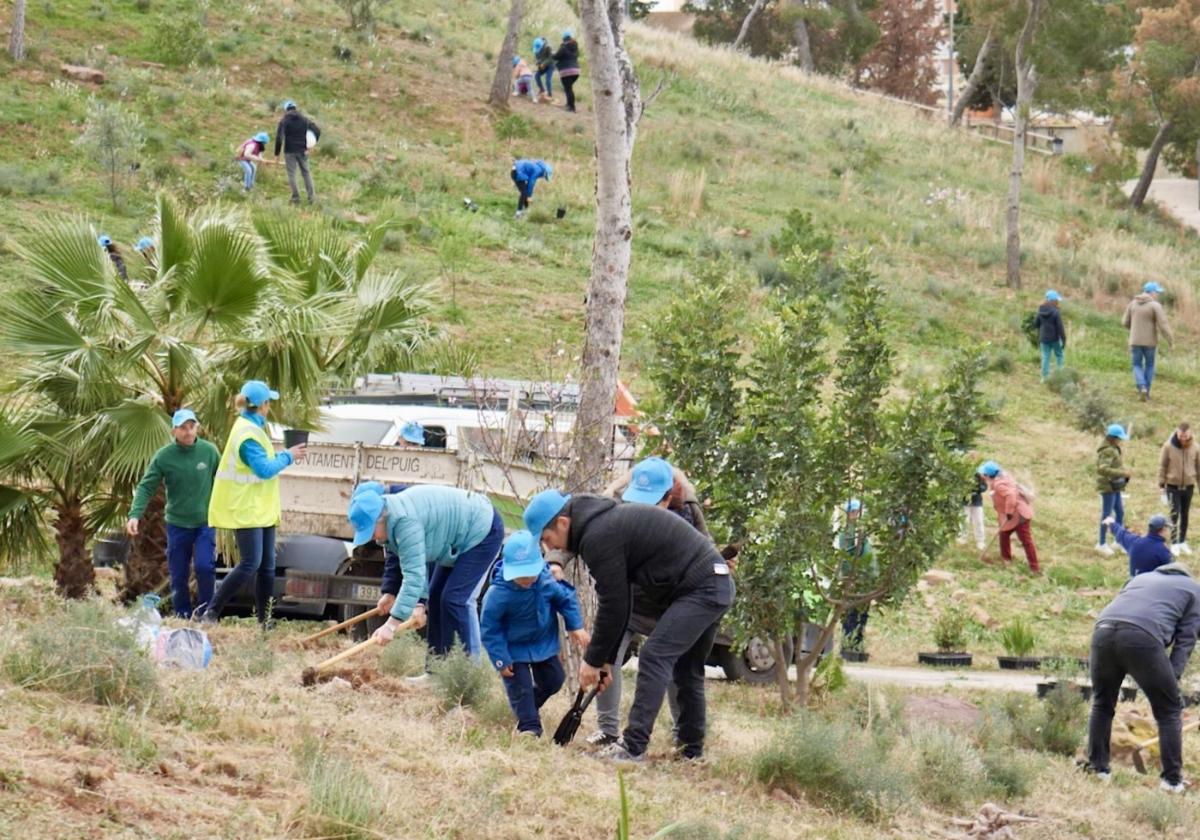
(1013, 512)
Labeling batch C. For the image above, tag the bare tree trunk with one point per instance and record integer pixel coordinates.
(146, 568)
(1026, 84)
(781, 676)
(16, 37)
(1138, 198)
(749, 19)
(502, 83)
(973, 81)
(73, 574)
(803, 46)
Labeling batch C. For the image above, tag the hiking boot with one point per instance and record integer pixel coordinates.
(1178, 787)
(1144, 396)
(617, 754)
(601, 739)
(1104, 548)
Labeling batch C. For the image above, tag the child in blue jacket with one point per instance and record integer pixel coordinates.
(525, 174)
(520, 628)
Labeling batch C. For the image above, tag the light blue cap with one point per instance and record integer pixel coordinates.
(853, 506)
(549, 169)
(1157, 522)
(522, 556)
(182, 416)
(257, 392)
(413, 432)
(989, 468)
(104, 239)
(289, 105)
(144, 244)
(652, 479)
(1053, 295)
(566, 34)
(542, 508)
(538, 43)
(1116, 430)
(262, 137)
(1152, 288)
(516, 60)
(365, 508)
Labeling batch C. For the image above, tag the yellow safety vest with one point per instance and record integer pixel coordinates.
(240, 499)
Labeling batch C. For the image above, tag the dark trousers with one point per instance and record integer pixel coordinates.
(677, 649)
(185, 547)
(292, 162)
(1025, 536)
(257, 549)
(522, 192)
(1181, 503)
(548, 75)
(1119, 649)
(530, 686)
(450, 589)
(853, 626)
(568, 83)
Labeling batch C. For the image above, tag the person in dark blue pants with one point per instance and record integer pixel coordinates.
(184, 544)
(453, 590)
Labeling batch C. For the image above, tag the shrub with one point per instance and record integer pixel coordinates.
(1161, 813)
(342, 800)
(1018, 637)
(1000, 361)
(404, 657)
(1009, 772)
(512, 126)
(1060, 378)
(950, 768)
(460, 681)
(83, 654)
(362, 14)
(950, 629)
(1054, 725)
(1090, 409)
(181, 39)
(114, 138)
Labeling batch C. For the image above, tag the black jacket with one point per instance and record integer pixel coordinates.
(567, 57)
(1050, 325)
(545, 57)
(291, 131)
(634, 544)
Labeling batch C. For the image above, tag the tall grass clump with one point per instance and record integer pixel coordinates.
(255, 659)
(83, 654)
(1162, 813)
(342, 800)
(404, 657)
(460, 681)
(949, 766)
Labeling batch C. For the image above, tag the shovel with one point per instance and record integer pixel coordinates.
(570, 722)
(310, 675)
(335, 628)
(1139, 762)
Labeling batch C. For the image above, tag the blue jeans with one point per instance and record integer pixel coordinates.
(249, 170)
(530, 686)
(453, 594)
(1143, 366)
(1049, 347)
(1110, 503)
(185, 546)
(549, 74)
(257, 549)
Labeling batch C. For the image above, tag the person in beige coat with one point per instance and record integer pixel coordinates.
(1178, 467)
(1146, 319)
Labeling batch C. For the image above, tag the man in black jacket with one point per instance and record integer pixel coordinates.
(678, 571)
(292, 134)
(1052, 336)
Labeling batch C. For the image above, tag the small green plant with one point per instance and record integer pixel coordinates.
(1162, 813)
(342, 800)
(126, 733)
(949, 766)
(362, 14)
(1061, 378)
(460, 681)
(1053, 725)
(512, 126)
(950, 630)
(255, 659)
(1009, 771)
(404, 657)
(181, 38)
(114, 138)
(1018, 637)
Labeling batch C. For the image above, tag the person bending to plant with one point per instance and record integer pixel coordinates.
(1014, 511)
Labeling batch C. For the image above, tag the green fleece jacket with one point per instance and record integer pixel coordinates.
(1109, 465)
(188, 472)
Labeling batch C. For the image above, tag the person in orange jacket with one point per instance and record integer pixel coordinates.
(1013, 512)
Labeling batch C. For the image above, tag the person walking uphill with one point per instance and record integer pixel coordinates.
(566, 60)
(1154, 612)
(1146, 320)
(1178, 467)
(525, 174)
(187, 466)
(543, 54)
(678, 571)
(1052, 336)
(457, 532)
(1145, 553)
(292, 136)
(520, 628)
(1014, 513)
(1111, 478)
(245, 499)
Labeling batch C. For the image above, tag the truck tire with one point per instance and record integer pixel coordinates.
(755, 663)
(362, 564)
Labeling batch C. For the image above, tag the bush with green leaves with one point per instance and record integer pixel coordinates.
(1061, 378)
(1010, 772)
(950, 630)
(113, 137)
(1018, 637)
(1161, 813)
(362, 14)
(1091, 409)
(950, 767)
(404, 657)
(1053, 725)
(181, 38)
(461, 681)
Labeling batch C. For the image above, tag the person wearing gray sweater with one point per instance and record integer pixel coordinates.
(1147, 632)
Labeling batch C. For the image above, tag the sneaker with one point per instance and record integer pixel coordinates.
(1178, 787)
(519, 214)
(1102, 775)
(617, 754)
(206, 617)
(601, 739)
(1185, 548)
(1104, 548)
(422, 681)
(1176, 549)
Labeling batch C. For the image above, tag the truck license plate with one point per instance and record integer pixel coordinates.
(366, 592)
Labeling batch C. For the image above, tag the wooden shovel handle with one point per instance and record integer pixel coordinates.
(357, 649)
(1154, 740)
(335, 628)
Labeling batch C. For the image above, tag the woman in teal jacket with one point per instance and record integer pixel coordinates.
(457, 533)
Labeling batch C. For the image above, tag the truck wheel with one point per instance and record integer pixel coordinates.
(359, 632)
(755, 663)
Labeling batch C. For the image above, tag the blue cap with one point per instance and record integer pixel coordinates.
(1116, 430)
(262, 137)
(104, 239)
(516, 60)
(566, 34)
(853, 506)
(289, 105)
(1152, 288)
(538, 43)
(368, 487)
(182, 416)
(542, 508)
(1157, 522)
(144, 244)
(549, 169)
(989, 468)
(1053, 295)
(365, 508)
(413, 432)
(652, 479)
(522, 556)
(257, 392)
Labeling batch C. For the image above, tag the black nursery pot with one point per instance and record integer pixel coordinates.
(1019, 663)
(294, 437)
(945, 660)
(855, 655)
(560, 213)
(1128, 692)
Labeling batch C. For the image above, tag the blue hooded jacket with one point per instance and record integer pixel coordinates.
(528, 171)
(521, 625)
(1145, 553)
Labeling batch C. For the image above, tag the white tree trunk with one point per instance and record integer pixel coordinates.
(974, 80)
(803, 46)
(16, 37)
(1026, 84)
(749, 19)
(502, 83)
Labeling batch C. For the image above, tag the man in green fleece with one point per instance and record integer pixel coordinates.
(187, 465)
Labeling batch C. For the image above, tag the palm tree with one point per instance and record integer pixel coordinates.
(286, 301)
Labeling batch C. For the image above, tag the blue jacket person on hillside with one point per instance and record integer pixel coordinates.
(520, 628)
(245, 499)
(1145, 553)
(1052, 336)
(455, 532)
(525, 174)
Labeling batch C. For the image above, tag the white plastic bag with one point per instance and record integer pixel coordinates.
(183, 648)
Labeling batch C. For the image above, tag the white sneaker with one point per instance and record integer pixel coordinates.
(1103, 548)
(1179, 787)
(1104, 777)
(1176, 549)
(1185, 548)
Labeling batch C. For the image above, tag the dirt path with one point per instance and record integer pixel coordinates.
(1023, 681)
(1175, 195)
